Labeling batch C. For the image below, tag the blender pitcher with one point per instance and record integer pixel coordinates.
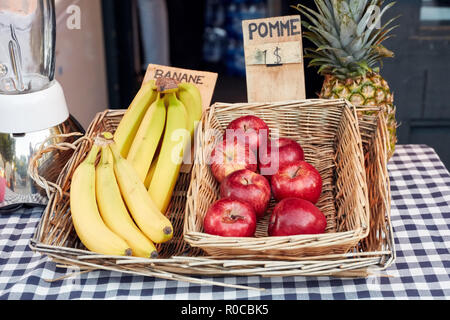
(32, 103)
(27, 45)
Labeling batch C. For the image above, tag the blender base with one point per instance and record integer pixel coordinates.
(16, 151)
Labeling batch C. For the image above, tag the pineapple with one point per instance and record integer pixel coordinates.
(348, 36)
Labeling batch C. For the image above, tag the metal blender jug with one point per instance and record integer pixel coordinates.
(32, 103)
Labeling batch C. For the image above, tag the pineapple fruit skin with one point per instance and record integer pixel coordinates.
(369, 90)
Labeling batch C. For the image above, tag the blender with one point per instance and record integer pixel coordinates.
(33, 108)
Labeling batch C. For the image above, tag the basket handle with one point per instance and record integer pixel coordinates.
(33, 166)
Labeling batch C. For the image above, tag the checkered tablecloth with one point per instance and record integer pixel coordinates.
(420, 218)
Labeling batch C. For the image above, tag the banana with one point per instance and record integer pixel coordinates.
(150, 173)
(148, 218)
(129, 125)
(175, 141)
(89, 226)
(114, 211)
(190, 96)
(147, 138)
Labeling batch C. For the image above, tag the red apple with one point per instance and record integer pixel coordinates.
(293, 216)
(2, 189)
(277, 154)
(247, 186)
(230, 156)
(230, 218)
(249, 129)
(299, 180)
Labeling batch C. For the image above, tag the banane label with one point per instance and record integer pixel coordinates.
(205, 81)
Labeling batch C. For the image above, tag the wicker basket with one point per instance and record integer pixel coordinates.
(329, 134)
(56, 238)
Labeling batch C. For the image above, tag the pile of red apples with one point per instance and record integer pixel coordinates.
(251, 168)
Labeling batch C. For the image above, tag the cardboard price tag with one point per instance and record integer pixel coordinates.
(273, 58)
(274, 54)
(205, 81)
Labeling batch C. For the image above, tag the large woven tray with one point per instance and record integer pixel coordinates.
(56, 237)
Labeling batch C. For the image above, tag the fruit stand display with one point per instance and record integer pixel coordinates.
(57, 238)
(294, 187)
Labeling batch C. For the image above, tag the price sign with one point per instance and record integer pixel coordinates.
(205, 81)
(274, 60)
(274, 54)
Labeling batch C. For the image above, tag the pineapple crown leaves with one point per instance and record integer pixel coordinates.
(347, 35)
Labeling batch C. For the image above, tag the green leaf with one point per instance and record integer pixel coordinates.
(320, 61)
(347, 31)
(325, 8)
(355, 46)
(323, 68)
(362, 25)
(373, 37)
(317, 20)
(333, 41)
(376, 39)
(363, 65)
(357, 8)
(336, 11)
(315, 38)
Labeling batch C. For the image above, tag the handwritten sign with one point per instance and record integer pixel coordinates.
(274, 28)
(273, 57)
(205, 81)
(274, 54)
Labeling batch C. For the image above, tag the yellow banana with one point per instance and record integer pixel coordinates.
(176, 138)
(150, 173)
(147, 138)
(89, 226)
(129, 125)
(190, 96)
(148, 218)
(113, 209)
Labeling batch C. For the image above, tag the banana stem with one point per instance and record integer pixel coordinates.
(108, 135)
(106, 156)
(170, 97)
(166, 85)
(115, 151)
(92, 155)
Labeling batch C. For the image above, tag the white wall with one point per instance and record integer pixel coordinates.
(80, 59)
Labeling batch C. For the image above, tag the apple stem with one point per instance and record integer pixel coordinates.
(236, 217)
(230, 217)
(297, 172)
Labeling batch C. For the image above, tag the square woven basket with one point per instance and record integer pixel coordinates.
(56, 237)
(328, 131)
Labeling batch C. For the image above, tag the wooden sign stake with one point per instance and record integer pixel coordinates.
(274, 59)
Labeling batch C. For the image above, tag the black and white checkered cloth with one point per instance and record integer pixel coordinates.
(420, 218)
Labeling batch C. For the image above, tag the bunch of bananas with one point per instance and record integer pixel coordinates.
(118, 206)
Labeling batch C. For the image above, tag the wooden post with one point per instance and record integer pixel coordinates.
(274, 59)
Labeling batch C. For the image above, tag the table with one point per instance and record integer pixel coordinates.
(420, 214)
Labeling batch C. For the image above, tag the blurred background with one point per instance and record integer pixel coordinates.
(102, 63)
